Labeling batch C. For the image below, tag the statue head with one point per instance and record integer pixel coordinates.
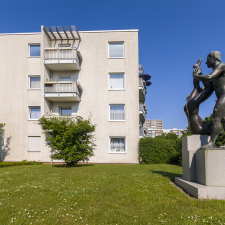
(213, 58)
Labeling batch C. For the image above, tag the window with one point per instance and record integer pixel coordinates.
(65, 111)
(34, 82)
(64, 45)
(117, 145)
(64, 78)
(116, 50)
(116, 81)
(34, 112)
(35, 50)
(34, 144)
(117, 112)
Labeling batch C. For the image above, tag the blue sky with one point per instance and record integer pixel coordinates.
(173, 35)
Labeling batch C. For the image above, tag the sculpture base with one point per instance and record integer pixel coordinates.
(210, 167)
(203, 170)
(200, 191)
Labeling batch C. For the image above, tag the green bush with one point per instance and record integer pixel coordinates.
(160, 150)
(24, 162)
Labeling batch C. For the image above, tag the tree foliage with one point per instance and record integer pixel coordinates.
(70, 140)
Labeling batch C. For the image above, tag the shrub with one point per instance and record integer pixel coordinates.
(24, 162)
(160, 150)
(69, 140)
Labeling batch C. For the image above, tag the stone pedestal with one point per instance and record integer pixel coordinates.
(190, 144)
(210, 167)
(203, 170)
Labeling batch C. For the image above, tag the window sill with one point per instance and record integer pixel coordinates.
(33, 151)
(34, 89)
(116, 57)
(33, 119)
(34, 56)
(116, 89)
(117, 152)
(117, 120)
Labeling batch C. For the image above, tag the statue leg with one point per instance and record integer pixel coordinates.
(218, 114)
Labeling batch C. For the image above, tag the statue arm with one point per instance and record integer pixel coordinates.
(216, 72)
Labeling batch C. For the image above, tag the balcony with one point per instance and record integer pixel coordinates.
(62, 91)
(62, 59)
(142, 90)
(142, 112)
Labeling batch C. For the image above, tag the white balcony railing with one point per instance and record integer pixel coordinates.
(142, 84)
(49, 116)
(142, 133)
(142, 108)
(62, 89)
(61, 56)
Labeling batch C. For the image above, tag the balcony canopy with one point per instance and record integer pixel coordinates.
(62, 33)
(148, 83)
(145, 76)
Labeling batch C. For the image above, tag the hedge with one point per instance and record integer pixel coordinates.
(160, 150)
(24, 162)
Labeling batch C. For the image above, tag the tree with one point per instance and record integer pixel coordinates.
(70, 140)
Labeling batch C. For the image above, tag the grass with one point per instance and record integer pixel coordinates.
(100, 194)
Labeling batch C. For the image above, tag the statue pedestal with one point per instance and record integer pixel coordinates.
(190, 144)
(203, 170)
(210, 168)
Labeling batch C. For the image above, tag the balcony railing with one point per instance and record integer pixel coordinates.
(49, 116)
(142, 133)
(53, 57)
(69, 91)
(142, 112)
(142, 84)
(142, 108)
(142, 90)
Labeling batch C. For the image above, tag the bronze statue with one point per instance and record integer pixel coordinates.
(215, 81)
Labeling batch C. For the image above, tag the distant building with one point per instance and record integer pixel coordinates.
(155, 128)
(154, 124)
(176, 131)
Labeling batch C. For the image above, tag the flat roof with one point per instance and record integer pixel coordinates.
(92, 31)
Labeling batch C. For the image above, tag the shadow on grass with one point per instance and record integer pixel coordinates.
(77, 165)
(171, 176)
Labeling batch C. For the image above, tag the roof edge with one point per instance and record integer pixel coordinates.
(105, 31)
(2, 34)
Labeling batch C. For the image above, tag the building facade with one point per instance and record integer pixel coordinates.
(60, 71)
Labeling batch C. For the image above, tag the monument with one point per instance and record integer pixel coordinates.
(203, 163)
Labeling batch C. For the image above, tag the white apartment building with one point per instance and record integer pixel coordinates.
(60, 71)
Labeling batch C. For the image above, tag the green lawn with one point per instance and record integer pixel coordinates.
(100, 194)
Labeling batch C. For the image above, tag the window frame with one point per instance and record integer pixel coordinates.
(110, 152)
(65, 107)
(66, 46)
(116, 89)
(117, 120)
(60, 76)
(116, 42)
(29, 86)
(34, 44)
(30, 108)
